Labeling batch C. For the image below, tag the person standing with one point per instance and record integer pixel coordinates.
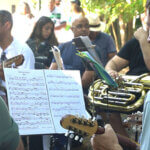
(55, 14)
(23, 21)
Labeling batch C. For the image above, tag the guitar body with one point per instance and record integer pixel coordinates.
(16, 61)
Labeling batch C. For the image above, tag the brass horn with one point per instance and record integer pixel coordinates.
(127, 98)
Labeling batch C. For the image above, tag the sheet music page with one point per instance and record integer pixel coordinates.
(38, 99)
(28, 101)
(65, 94)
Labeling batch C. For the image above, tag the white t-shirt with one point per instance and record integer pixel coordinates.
(53, 15)
(17, 48)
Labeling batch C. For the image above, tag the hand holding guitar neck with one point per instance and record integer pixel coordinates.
(84, 127)
(12, 62)
(106, 141)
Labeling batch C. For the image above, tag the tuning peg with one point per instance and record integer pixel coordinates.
(79, 132)
(85, 134)
(71, 135)
(81, 140)
(91, 124)
(79, 122)
(82, 117)
(76, 138)
(67, 133)
(74, 120)
(85, 123)
(70, 128)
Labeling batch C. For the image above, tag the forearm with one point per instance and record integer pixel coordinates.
(53, 66)
(111, 66)
(20, 146)
(145, 47)
(115, 65)
(87, 78)
(63, 25)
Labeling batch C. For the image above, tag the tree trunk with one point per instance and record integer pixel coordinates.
(122, 31)
(129, 30)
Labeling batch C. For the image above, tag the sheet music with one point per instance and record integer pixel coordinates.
(66, 96)
(38, 99)
(57, 56)
(28, 101)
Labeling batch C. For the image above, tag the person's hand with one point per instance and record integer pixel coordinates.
(106, 141)
(141, 35)
(113, 74)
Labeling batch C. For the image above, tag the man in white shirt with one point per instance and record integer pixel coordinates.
(9, 46)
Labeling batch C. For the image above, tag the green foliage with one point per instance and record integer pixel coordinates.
(112, 9)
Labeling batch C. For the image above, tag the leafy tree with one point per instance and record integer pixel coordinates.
(119, 16)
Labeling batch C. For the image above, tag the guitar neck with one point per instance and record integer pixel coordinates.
(84, 127)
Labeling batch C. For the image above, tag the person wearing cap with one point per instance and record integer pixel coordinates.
(104, 42)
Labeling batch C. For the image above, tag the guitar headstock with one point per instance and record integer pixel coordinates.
(17, 61)
(78, 125)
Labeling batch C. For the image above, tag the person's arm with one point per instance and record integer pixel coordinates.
(20, 145)
(111, 55)
(141, 35)
(62, 25)
(111, 48)
(106, 141)
(115, 65)
(87, 78)
(53, 66)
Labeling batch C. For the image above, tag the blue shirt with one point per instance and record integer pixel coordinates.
(104, 45)
(70, 59)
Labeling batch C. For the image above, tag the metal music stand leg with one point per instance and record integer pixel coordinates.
(28, 143)
(69, 144)
(52, 142)
(136, 136)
